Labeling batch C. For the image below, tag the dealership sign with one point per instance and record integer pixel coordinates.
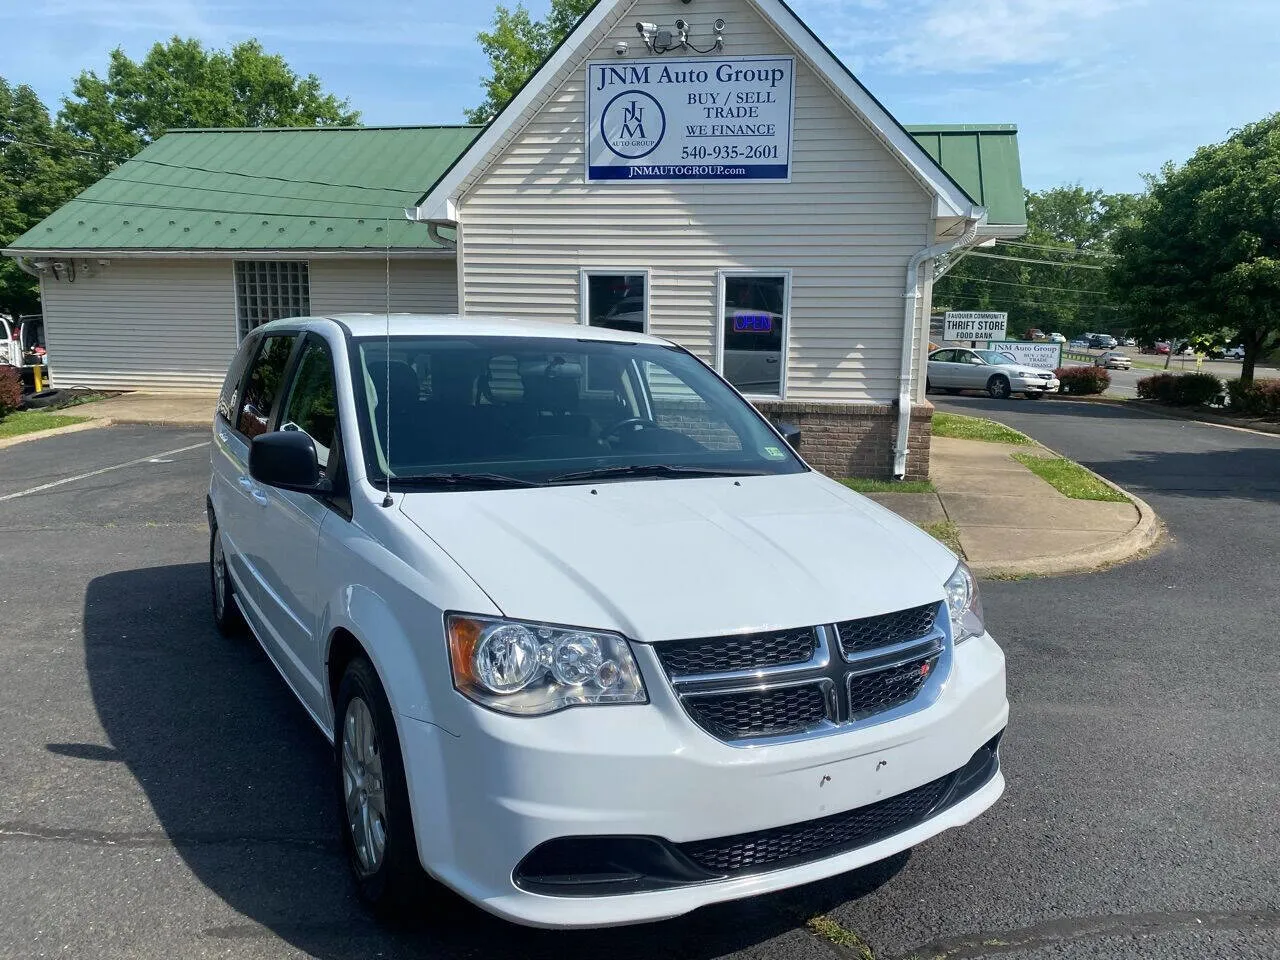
(704, 119)
(974, 325)
(1040, 354)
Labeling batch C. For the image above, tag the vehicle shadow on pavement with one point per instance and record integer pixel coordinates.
(239, 779)
(1246, 473)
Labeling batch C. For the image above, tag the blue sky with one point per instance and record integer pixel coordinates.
(1102, 90)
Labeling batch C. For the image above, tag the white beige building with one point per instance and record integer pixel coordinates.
(708, 172)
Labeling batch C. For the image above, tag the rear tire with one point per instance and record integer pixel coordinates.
(998, 387)
(373, 798)
(226, 614)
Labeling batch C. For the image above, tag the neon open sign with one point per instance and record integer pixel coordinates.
(752, 323)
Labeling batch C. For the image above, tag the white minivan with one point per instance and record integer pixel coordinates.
(593, 644)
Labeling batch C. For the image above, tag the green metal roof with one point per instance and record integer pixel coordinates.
(983, 159)
(345, 188)
(260, 189)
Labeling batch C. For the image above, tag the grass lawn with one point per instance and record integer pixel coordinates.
(975, 428)
(945, 532)
(31, 421)
(887, 486)
(1070, 478)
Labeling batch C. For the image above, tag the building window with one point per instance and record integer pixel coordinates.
(753, 337)
(270, 289)
(615, 299)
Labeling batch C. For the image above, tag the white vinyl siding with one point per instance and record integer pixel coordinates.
(141, 324)
(845, 226)
(359, 286)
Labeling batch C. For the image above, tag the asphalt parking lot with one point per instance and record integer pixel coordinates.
(163, 795)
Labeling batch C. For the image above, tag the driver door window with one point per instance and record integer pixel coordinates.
(312, 407)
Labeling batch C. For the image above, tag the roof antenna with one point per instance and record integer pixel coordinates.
(386, 396)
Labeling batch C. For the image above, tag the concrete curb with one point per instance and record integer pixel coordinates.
(1145, 534)
(91, 424)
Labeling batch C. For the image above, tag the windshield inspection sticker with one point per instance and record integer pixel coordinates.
(773, 453)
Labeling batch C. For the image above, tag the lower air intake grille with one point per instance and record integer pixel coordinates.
(759, 713)
(774, 848)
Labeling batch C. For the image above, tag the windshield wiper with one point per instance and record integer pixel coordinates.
(484, 480)
(651, 470)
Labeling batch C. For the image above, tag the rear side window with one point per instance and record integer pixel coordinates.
(229, 399)
(266, 377)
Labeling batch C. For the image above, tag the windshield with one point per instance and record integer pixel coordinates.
(478, 411)
(995, 356)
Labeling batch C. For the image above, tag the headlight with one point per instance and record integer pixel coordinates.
(964, 604)
(533, 668)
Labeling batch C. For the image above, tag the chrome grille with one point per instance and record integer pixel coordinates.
(751, 651)
(811, 680)
(867, 633)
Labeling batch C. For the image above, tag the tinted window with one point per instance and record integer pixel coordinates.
(266, 376)
(312, 406)
(616, 301)
(522, 407)
(229, 399)
(753, 332)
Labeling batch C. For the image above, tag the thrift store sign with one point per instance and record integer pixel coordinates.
(701, 119)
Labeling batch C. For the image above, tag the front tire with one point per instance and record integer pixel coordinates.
(373, 797)
(226, 613)
(998, 387)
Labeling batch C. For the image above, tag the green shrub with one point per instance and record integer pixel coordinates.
(10, 389)
(1261, 398)
(1081, 381)
(1158, 386)
(1181, 390)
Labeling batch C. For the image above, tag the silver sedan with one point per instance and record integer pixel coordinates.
(998, 373)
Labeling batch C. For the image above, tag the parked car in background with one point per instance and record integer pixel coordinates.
(1079, 344)
(1113, 360)
(999, 374)
(770, 679)
(1233, 353)
(1057, 338)
(1102, 341)
(1160, 347)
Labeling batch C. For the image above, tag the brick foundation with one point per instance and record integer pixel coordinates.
(855, 439)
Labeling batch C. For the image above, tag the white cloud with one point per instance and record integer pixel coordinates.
(949, 37)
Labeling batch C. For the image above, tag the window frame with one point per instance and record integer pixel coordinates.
(785, 359)
(291, 381)
(584, 291)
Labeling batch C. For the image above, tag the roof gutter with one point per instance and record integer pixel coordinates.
(27, 266)
(910, 300)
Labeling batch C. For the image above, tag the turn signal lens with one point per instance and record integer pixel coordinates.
(533, 668)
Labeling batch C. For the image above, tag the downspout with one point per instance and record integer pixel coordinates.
(433, 231)
(25, 266)
(910, 300)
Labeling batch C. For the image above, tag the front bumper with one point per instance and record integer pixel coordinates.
(1036, 386)
(486, 797)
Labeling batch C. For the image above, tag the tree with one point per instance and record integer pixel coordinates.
(41, 167)
(181, 84)
(1204, 255)
(517, 45)
(1071, 228)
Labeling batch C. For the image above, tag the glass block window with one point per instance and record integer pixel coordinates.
(270, 289)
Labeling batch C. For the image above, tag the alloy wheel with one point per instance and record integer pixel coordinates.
(363, 787)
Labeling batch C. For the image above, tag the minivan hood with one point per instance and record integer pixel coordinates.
(680, 558)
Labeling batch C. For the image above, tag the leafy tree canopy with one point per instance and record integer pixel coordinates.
(181, 84)
(1068, 295)
(41, 166)
(1204, 255)
(517, 45)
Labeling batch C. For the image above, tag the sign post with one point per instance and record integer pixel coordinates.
(974, 325)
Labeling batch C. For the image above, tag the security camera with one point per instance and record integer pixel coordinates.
(643, 28)
(620, 48)
(719, 24)
(682, 25)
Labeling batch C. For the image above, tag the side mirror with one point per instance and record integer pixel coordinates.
(286, 459)
(790, 433)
